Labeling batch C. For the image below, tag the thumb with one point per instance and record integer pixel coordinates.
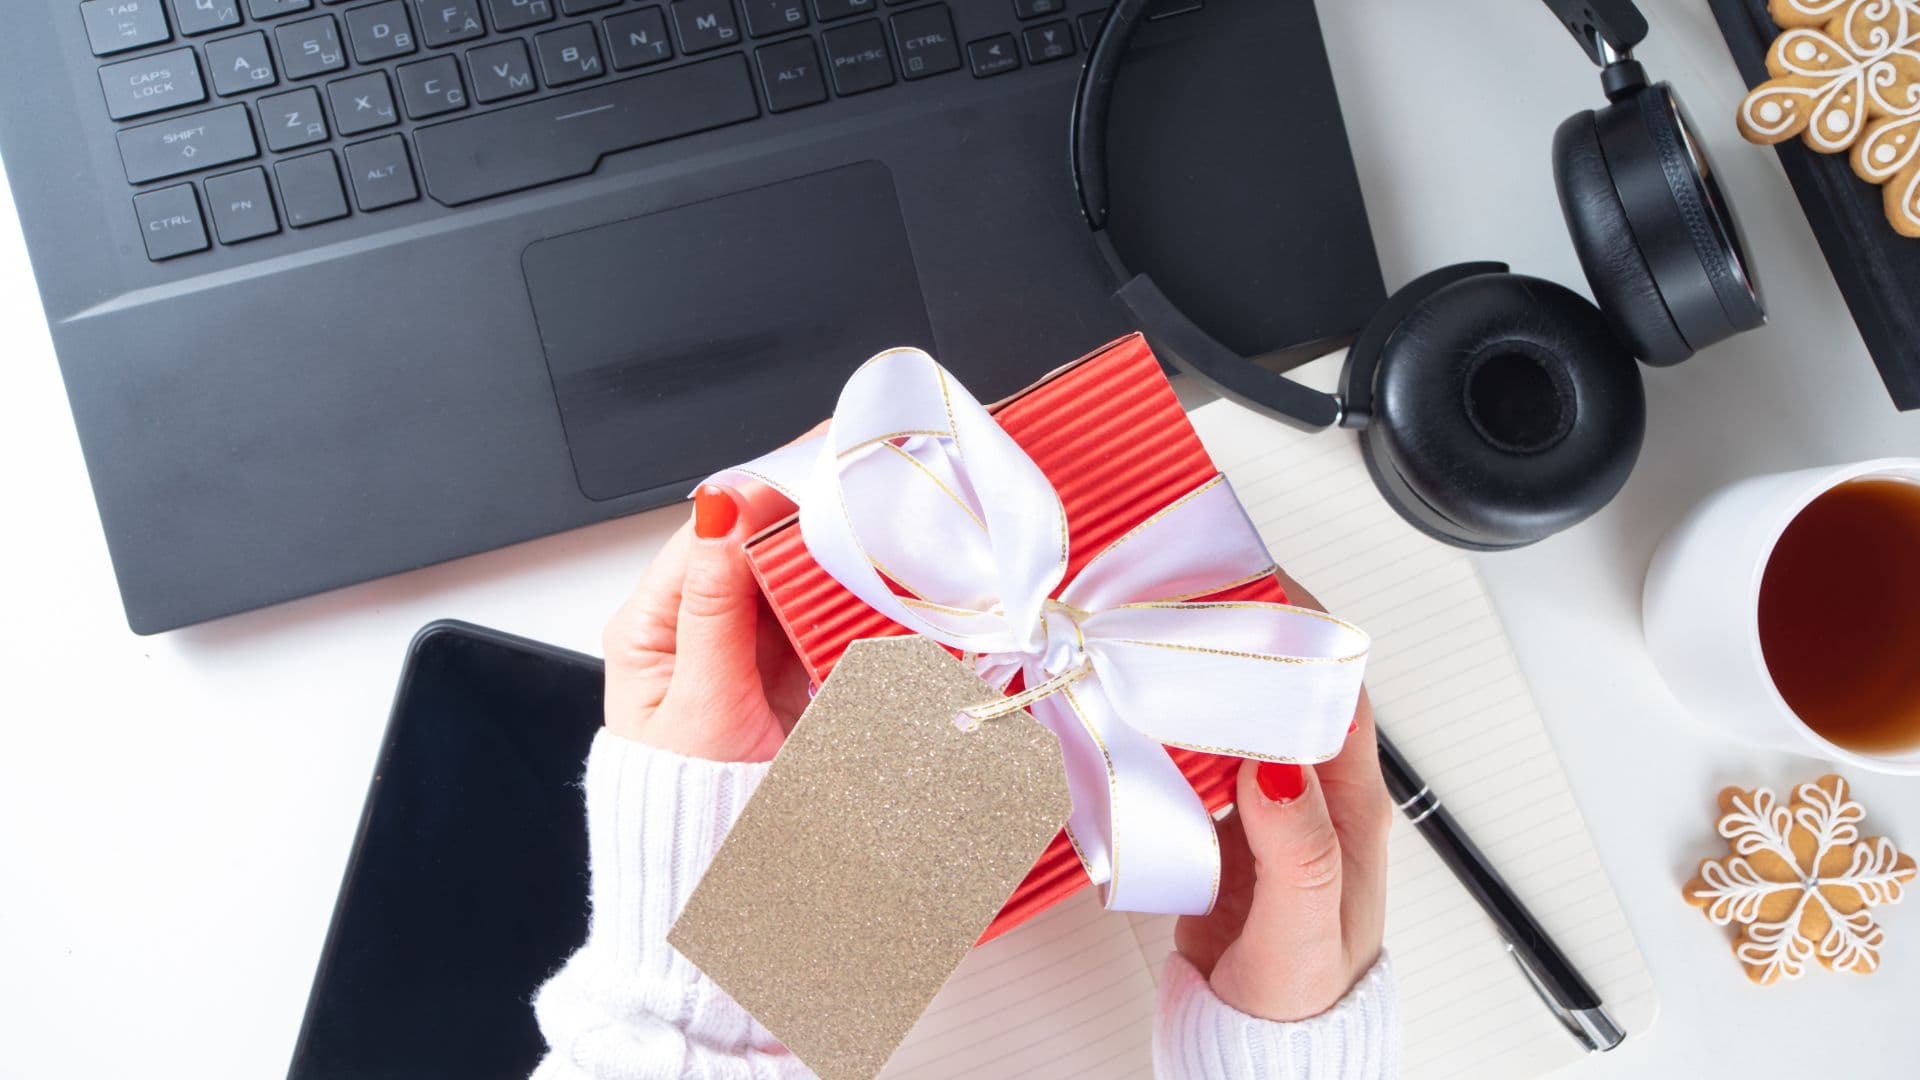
(1290, 948)
(719, 602)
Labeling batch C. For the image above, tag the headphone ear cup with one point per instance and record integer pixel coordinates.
(1609, 252)
(1504, 411)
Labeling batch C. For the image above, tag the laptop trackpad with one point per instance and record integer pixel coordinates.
(695, 338)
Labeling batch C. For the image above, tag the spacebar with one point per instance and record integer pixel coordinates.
(565, 136)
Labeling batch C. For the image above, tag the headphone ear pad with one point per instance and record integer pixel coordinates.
(1504, 411)
(1609, 252)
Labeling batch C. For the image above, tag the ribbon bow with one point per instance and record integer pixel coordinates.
(916, 484)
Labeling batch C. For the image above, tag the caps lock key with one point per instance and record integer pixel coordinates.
(152, 83)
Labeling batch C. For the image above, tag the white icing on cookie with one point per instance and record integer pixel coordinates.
(1780, 881)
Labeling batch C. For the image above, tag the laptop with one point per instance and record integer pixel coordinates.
(341, 288)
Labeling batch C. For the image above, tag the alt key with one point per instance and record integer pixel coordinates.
(790, 75)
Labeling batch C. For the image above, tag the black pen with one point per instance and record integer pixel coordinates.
(1553, 977)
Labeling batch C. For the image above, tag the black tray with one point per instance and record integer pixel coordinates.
(1878, 270)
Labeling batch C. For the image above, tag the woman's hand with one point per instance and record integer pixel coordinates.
(1303, 880)
(695, 662)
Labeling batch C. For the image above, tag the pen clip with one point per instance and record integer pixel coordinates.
(1592, 1028)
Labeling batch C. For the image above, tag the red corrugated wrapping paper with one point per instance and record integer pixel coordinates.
(1112, 438)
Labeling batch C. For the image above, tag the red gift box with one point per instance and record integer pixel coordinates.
(1112, 438)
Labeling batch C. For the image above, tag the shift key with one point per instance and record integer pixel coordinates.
(187, 144)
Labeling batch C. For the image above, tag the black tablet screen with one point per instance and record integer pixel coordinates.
(468, 882)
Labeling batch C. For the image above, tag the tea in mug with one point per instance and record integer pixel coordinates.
(1840, 615)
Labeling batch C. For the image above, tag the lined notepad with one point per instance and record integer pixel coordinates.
(1072, 993)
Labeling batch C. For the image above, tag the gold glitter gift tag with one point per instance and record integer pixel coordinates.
(873, 855)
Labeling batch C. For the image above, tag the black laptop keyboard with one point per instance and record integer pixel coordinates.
(240, 118)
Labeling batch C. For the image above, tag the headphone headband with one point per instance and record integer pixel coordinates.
(1607, 30)
(1091, 102)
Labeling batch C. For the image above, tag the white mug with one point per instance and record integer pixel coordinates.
(1701, 609)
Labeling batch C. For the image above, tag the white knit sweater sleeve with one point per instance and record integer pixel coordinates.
(1196, 1036)
(629, 1007)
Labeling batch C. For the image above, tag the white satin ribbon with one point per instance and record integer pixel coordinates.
(916, 483)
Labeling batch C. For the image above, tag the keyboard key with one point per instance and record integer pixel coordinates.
(310, 189)
(924, 38)
(239, 64)
(514, 14)
(1048, 41)
(170, 222)
(380, 32)
(444, 22)
(362, 103)
(118, 25)
(704, 24)
(638, 39)
(242, 206)
(569, 55)
(1090, 24)
(581, 7)
(840, 9)
(187, 144)
(310, 47)
(205, 16)
(857, 56)
(381, 174)
(1033, 9)
(492, 153)
(790, 75)
(994, 55)
(431, 87)
(292, 120)
(162, 81)
(273, 9)
(774, 16)
(500, 71)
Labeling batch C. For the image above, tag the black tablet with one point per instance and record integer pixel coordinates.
(467, 885)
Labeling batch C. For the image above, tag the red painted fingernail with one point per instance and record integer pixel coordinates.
(714, 512)
(1354, 726)
(1280, 782)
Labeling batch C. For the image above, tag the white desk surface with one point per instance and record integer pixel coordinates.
(175, 811)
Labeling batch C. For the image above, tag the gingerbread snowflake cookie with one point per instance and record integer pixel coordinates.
(1801, 881)
(1845, 77)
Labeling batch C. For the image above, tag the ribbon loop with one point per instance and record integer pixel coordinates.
(915, 488)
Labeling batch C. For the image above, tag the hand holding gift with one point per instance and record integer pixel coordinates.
(1303, 880)
(1169, 631)
(694, 665)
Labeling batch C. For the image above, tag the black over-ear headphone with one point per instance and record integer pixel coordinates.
(1496, 409)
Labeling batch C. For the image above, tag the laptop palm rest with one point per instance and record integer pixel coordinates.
(691, 339)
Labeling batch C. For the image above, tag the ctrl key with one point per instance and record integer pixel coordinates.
(170, 222)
